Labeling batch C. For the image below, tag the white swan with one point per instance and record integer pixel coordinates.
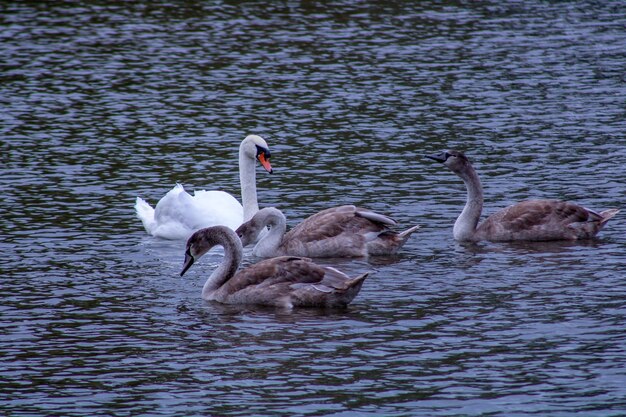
(285, 281)
(338, 232)
(178, 214)
(539, 220)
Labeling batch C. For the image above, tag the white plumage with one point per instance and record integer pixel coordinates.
(178, 214)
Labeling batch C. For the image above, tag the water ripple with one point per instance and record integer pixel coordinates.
(102, 103)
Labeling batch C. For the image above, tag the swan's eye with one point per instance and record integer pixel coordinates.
(456, 154)
(263, 151)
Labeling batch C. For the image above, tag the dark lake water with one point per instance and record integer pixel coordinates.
(103, 101)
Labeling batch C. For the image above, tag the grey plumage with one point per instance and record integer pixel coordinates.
(539, 220)
(285, 281)
(343, 231)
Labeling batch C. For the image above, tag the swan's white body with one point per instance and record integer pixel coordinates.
(178, 214)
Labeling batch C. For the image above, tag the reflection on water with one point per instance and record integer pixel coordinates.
(101, 103)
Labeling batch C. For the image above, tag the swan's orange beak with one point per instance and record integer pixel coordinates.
(265, 162)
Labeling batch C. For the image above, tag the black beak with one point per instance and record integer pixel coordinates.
(189, 260)
(440, 157)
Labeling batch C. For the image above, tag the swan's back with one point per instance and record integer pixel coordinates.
(179, 214)
(290, 282)
(341, 219)
(337, 231)
(543, 220)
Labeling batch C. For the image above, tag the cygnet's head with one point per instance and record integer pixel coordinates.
(456, 161)
(249, 231)
(204, 240)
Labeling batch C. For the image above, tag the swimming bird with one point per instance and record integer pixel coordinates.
(285, 281)
(178, 214)
(343, 231)
(539, 220)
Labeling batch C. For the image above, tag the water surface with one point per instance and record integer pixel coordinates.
(103, 102)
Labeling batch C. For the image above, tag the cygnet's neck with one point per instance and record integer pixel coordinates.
(247, 178)
(233, 253)
(465, 225)
(269, 244)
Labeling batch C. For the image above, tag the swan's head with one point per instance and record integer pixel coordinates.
(203, 241)
(249, 231)
(456, 161)
(255, 147)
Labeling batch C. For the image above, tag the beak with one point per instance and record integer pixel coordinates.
(189, 260)
(440, 157)
(265, 162)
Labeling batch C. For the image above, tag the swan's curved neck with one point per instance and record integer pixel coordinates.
(465, 225)
(247, 177)
(233, 254)
(268, 245)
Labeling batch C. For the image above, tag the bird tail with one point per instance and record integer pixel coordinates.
(405, 235)
(354, 286)
(608, 215)
(358, 280)
(145, 213)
